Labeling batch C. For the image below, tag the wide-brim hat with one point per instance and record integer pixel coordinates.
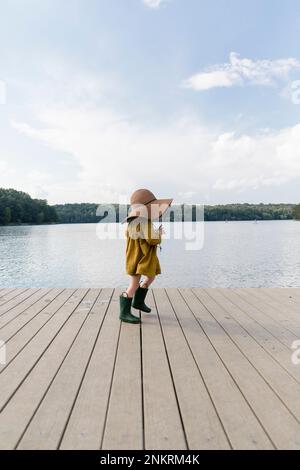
(144, 204)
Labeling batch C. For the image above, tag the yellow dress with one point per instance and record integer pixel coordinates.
(141, 257)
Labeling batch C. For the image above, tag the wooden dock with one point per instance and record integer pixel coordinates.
(206, 369)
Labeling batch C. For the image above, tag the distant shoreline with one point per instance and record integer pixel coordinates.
(166, 221)
(86, 212)
(19, 208)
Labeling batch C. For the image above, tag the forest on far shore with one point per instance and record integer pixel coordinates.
(86, 213)
(17, 207)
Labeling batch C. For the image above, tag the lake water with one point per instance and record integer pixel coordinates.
(234, 254)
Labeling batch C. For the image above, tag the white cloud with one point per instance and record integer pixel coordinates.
(2, 92)
(183, 158)
(100, 154)
(292, 92)
(6, 169)
(63, 82)
(240, 71)
(154, 4)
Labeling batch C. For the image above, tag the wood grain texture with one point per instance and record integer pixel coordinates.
(206, 369)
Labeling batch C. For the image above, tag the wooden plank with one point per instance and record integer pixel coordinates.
(277, 420)
(282, 317)
(287, 308)
(41, 297)
(10, 292)
(285, 294)
(279, 302)
(23, 307)
(23, 328)
(202, 425)
(162, 421)
(85, 426)
(291, 293)
(276, 329)
(45, 353)
(16, 300)
(12, 327)
(7, 294)
(124, 423)
(241, 425)
(280, 380)
(207, 369)
(280, 351)
(54, 410)
(12, 376)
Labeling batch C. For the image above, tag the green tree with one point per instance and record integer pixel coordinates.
(17, 207)
(7, 215)
(296, 212)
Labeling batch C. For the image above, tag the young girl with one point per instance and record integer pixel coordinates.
(141, 248)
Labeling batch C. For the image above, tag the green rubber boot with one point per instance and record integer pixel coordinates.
(125, 310)
(139, 300)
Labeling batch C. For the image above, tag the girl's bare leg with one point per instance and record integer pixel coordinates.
(134, 284)
(147, 281)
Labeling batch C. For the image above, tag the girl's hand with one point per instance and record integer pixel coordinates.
(161, 230)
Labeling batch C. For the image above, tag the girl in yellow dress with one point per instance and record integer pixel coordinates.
(141, 250)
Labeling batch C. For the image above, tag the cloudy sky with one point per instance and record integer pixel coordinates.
(195, 99)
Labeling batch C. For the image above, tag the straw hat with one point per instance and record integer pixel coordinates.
(143, 203)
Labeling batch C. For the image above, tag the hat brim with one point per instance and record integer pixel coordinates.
(151, 211)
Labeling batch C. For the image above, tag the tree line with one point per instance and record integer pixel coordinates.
(87, 213)
(17, 207)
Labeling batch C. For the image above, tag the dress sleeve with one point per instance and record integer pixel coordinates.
(151, 235)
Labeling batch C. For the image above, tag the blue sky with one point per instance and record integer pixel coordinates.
(194, 99)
